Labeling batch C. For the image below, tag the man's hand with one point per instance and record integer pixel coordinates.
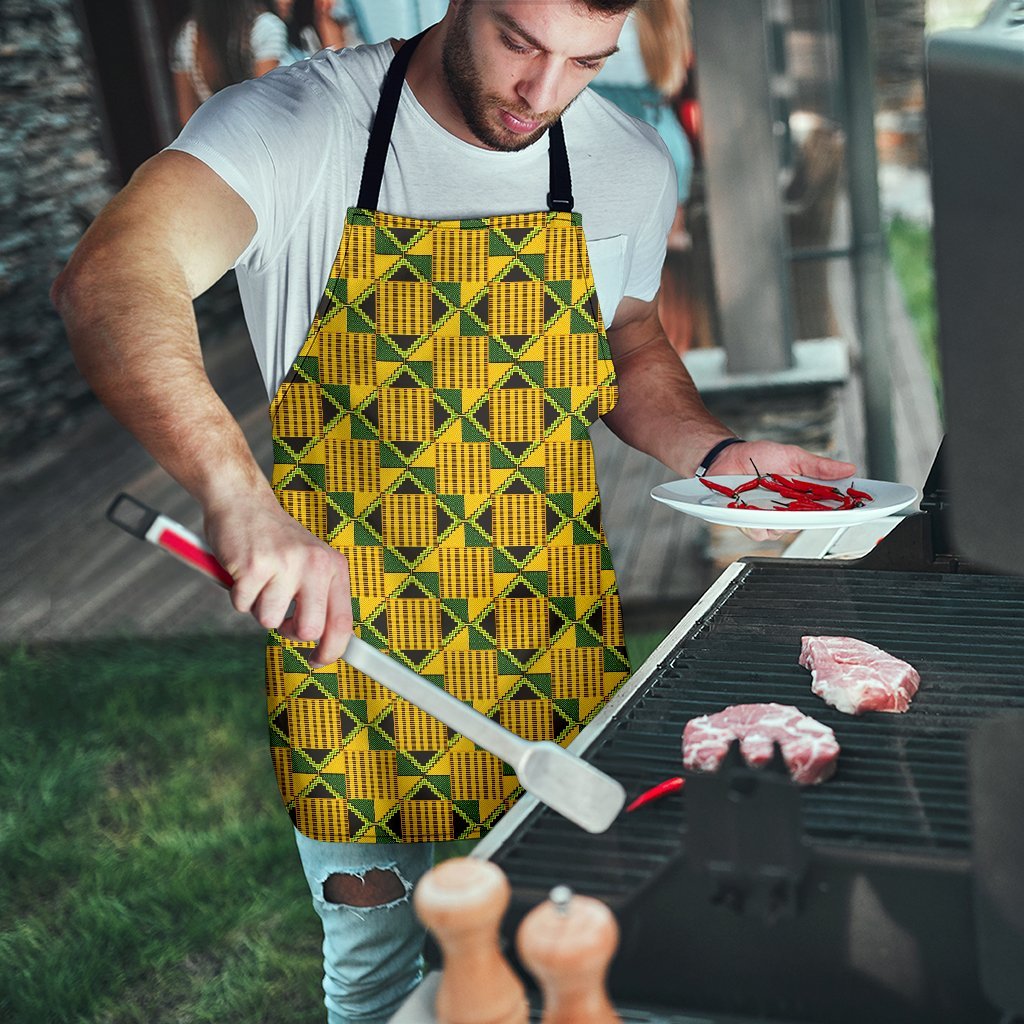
(772, 457)
(275, 561)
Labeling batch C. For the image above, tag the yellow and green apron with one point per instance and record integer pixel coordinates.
(435, 429)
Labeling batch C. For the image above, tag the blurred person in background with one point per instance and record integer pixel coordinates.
(646, 78)
(314, 25)
(373, 21)
(221, 43)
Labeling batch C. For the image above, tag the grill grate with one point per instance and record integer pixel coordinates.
(901, 786)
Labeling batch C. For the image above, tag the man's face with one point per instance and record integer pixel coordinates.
(513, 66)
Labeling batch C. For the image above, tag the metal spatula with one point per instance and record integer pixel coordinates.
(575, 789)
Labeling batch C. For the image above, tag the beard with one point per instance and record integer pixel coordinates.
(477, 106)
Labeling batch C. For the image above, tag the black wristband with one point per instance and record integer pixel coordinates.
(705, 463)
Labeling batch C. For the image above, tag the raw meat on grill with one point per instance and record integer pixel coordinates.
(855, 677)
(809, 748)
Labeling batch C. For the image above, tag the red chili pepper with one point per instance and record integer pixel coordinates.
(810, 487)
(788, 492)
(802, 495)
(656, 792)
(793, 485)
(749, 485)
(721, 488)
(773, 485)
(808, 505)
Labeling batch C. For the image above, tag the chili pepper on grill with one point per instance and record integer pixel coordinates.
(656, 792)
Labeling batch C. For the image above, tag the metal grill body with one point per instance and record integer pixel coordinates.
(877, 923)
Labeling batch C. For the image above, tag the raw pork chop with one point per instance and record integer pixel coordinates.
(809, 748)
(855, 677)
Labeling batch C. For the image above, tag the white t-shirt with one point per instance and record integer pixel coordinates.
(292, 144)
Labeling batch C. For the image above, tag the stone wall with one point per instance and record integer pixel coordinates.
(53, 180)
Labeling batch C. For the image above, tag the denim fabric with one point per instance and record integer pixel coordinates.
(372, 955)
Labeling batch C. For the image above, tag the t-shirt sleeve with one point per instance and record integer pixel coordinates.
(652, 235)
(269, 38)
(268, 139)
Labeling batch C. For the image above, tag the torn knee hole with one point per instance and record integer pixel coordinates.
(376, 888)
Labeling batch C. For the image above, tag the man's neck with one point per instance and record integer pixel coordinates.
(430, 87)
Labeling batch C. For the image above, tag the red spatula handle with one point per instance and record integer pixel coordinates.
(147, 524)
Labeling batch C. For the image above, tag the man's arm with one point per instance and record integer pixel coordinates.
(126, 300)
(660, 411)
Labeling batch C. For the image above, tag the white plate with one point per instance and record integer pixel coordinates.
(693, 498)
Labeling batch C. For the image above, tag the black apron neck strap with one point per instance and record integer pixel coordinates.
(383, 122)
(560, 193)
(560, 184)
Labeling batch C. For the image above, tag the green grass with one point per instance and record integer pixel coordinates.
(910, 248)
(147, 870)
(641, 645)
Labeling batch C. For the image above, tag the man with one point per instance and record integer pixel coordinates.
(433, 471)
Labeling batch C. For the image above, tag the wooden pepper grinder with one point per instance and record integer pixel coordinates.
(462, 901)
(567, 943)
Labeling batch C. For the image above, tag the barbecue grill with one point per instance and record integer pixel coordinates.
(746, 897)
(894, 892)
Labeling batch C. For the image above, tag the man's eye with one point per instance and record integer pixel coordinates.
(513, 46)
(590, 65)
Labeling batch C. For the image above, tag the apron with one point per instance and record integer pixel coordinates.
(435, 429)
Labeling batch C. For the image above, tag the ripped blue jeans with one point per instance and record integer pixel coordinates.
(372, 954)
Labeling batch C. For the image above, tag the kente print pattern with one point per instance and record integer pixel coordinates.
(435, 429)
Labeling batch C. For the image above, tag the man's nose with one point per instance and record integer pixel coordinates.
(538, 89)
